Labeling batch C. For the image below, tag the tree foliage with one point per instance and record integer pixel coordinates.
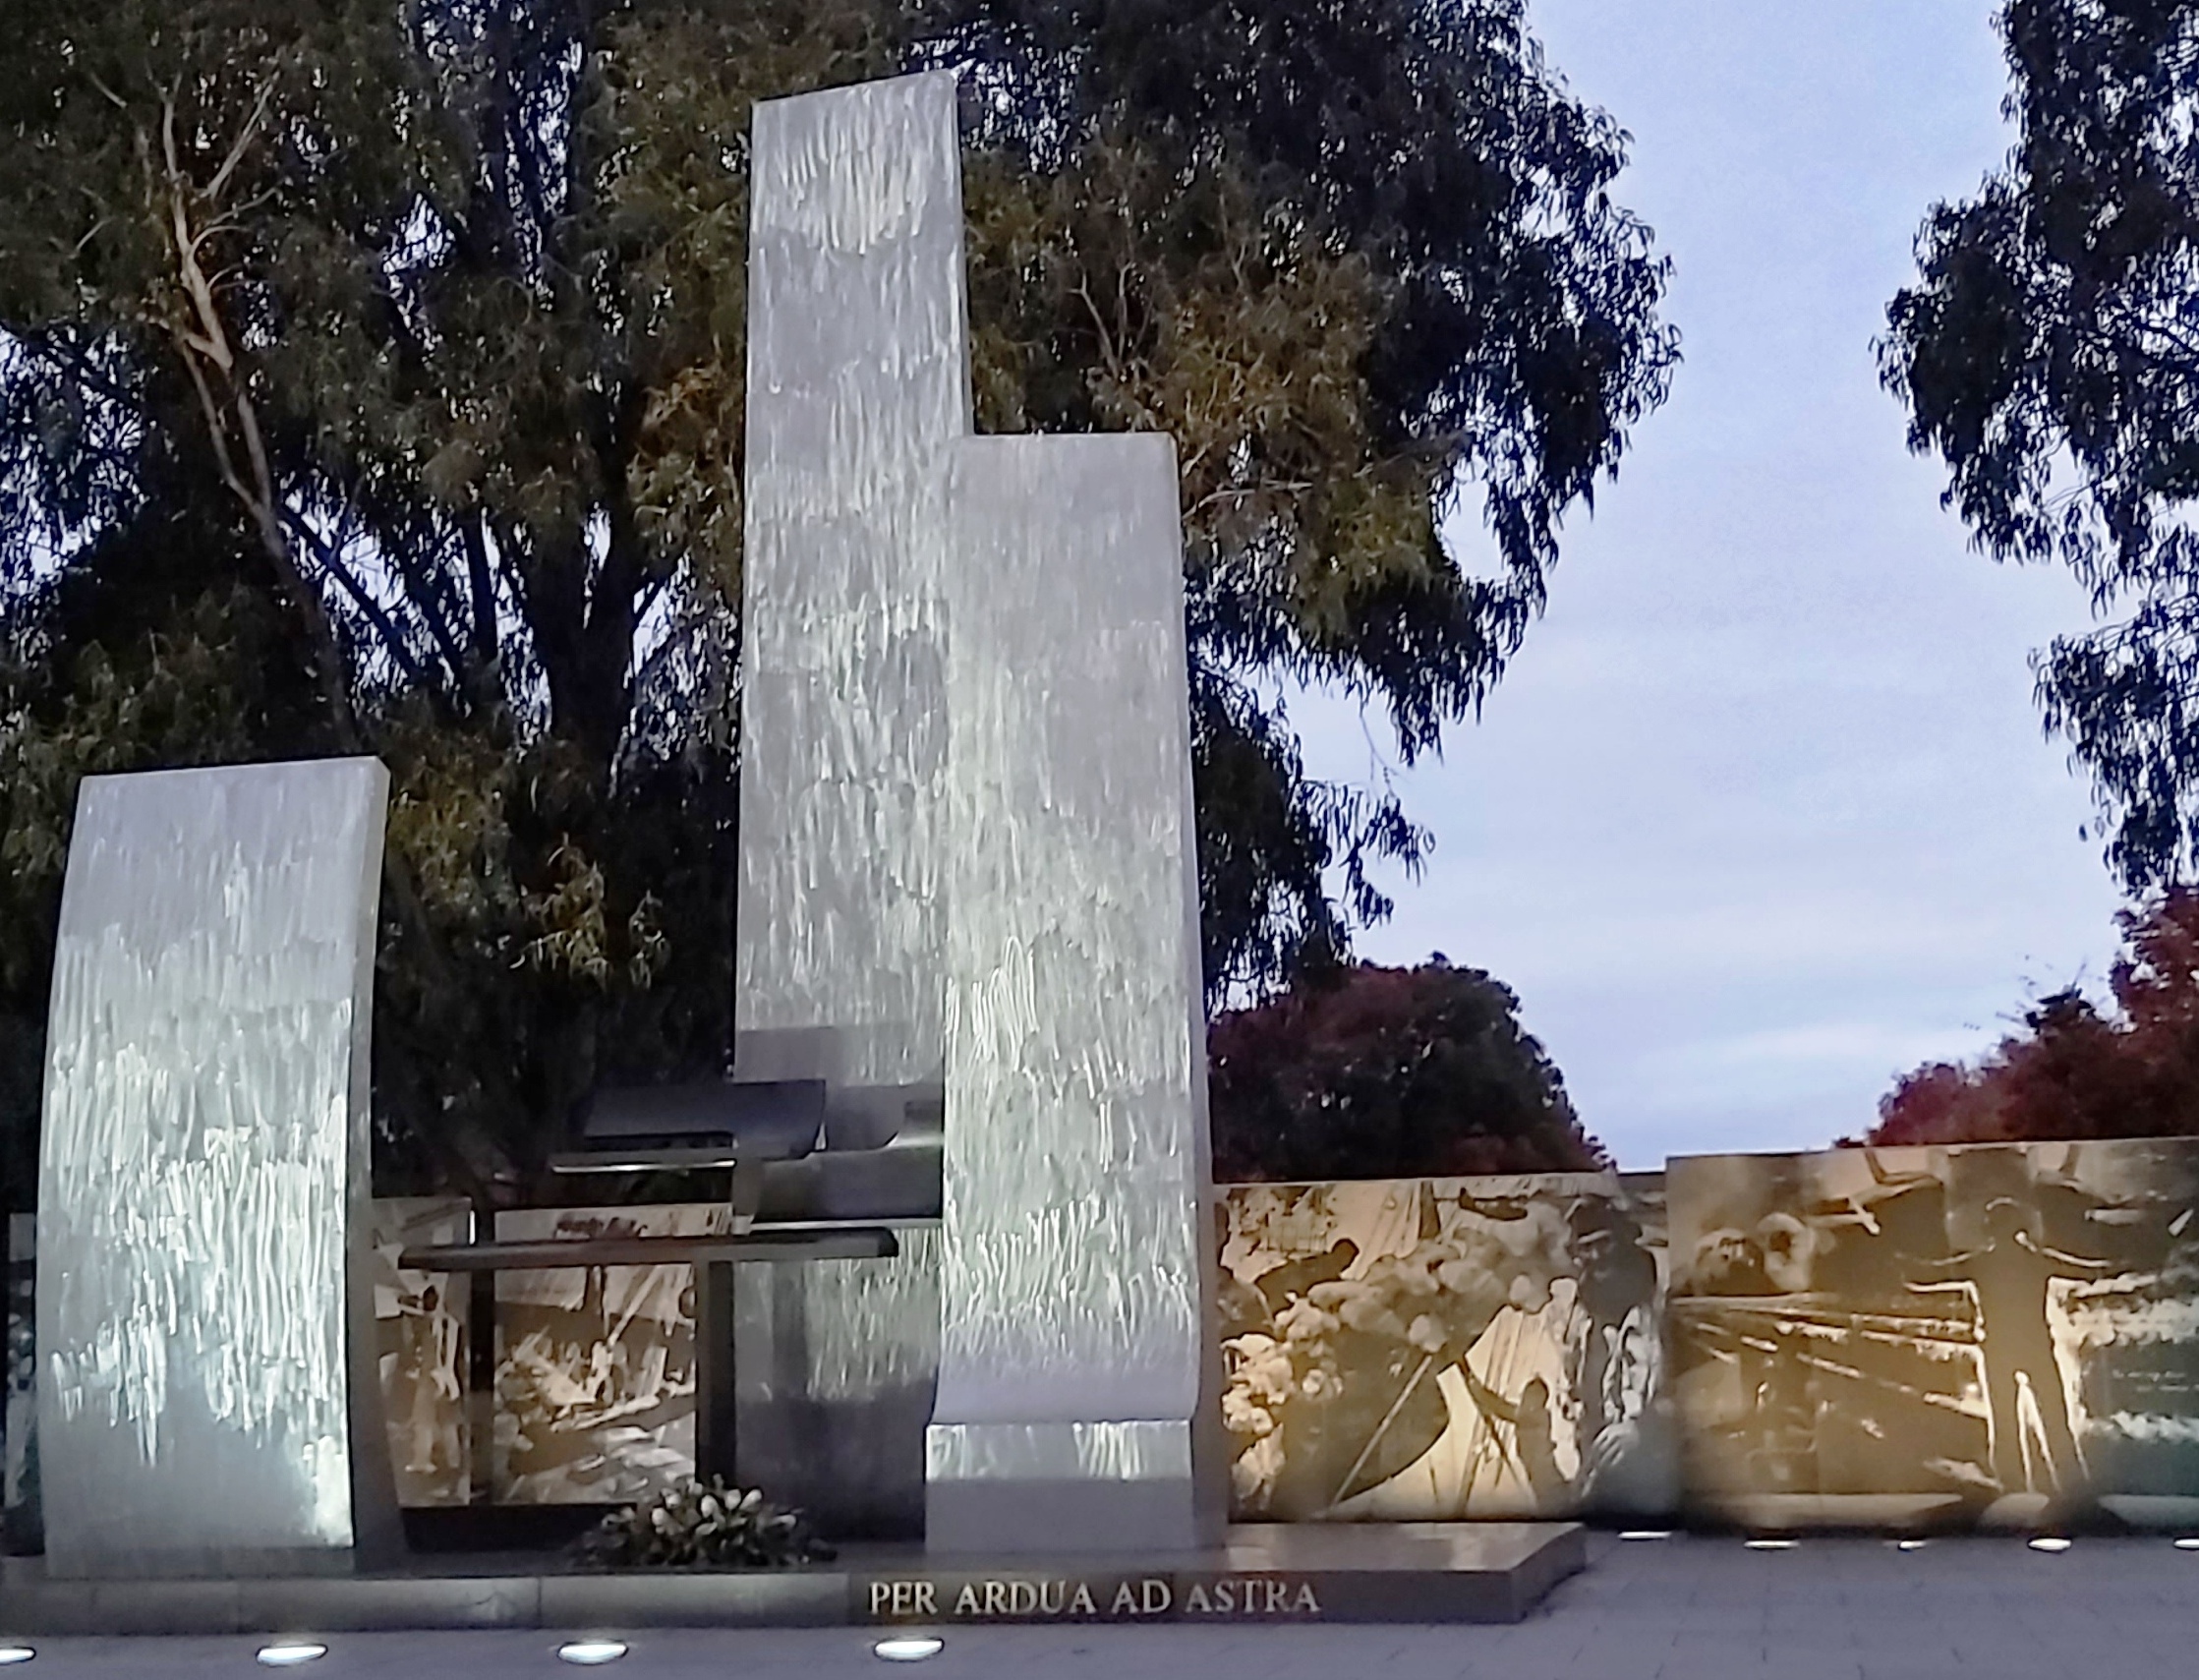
(1359, 259)
(2073, 1071)
(2048, 354)
(1370, 1073)
(373, 380)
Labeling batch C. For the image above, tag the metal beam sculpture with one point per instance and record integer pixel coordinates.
(951, 806)
(207, 1400)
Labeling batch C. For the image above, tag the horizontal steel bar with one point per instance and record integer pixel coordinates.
(855, 1243)
(684, 1160)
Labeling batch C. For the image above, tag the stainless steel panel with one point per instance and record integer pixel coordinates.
(203, 1298)
(1078, 1265)
(835, 1367)
(1060, 1452)
(899, 1181)
(858, 381)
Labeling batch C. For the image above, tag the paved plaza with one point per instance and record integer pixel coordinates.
(1678, 1609)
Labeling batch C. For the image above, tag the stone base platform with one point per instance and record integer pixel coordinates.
(1415, 1572)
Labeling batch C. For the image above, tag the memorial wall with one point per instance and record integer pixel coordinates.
(1438, 1349)
(1895, 1336)
(596, 1379)
(225, 1348)
(1881, 1338)
(423, 1324)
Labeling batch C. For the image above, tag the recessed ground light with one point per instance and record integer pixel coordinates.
(1645, 1533)
(1771, 1544)
(15, 1654)
(290, 1653)
(588, 1652)
(909, 1648)
(2052, 1542)
(2187, 1542)
(1912, 1543)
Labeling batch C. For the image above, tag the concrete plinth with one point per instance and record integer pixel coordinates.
(1419, 1573)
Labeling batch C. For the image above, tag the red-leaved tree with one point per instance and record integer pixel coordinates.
(1369, 1072)
(2075, 1071)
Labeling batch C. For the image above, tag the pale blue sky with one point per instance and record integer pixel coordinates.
(1763, 814)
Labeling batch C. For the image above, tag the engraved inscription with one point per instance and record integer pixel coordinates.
(1106, 1598)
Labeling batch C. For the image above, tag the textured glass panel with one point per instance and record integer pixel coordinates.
(1437, 1349)
(1996, 1331)
(1075, 1276)
(1060, 1452)
(421, 1325)
(596, 1377)
(858, 363)
(202, 1173)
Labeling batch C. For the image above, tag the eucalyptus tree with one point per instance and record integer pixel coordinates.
(2049, 354)
(373, 381)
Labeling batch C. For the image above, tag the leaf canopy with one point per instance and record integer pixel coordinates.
(374, 379)
(2048, 354)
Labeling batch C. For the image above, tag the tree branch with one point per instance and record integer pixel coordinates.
(245, 137)
(426, 580)
(483, 589)
(209, 339)
(69, 361)
(385, 627)
(1084, 290)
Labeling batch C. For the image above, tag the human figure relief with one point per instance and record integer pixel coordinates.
(2008, 1276)
(1533, 1436)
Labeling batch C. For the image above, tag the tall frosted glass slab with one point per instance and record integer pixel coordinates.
(858, 384)
(1077, 1404)
(204, 1278)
